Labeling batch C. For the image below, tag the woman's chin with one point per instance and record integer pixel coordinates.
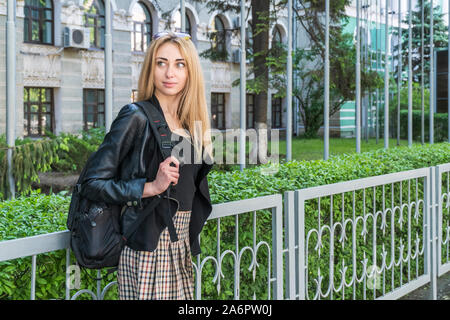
(169, 91)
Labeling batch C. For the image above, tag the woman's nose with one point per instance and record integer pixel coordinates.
(169, 72)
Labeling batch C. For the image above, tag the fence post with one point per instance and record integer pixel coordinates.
(439, 222)
(277, 248)
(289, 220)
(432, 233)
(67, 275)
(300, 212)
(33, 277)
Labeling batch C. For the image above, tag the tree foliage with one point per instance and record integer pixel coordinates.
(440, 39)
(29, 158)
(309, 63)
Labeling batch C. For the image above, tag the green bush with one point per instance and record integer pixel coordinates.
(33, 215)
(75, 149)
(39, 213)
(64, 153)
(24, 217)
(29, 158)
(440, 126)
(416, 98)
(440, 119)
(230, 186)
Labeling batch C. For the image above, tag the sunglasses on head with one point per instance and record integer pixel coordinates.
(186, 36)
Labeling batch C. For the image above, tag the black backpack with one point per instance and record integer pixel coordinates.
(95, 236)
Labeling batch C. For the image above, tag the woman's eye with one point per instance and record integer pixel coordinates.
(181, 64)
(160, 63)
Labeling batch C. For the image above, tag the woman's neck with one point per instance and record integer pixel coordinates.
(169, 104)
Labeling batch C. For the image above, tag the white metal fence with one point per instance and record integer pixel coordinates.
(245, 246)
(372, 238)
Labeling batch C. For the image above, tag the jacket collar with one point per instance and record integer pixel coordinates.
(154, 101)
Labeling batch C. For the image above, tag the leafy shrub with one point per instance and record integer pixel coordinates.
(32, 215)
(440, 125)
(29, 158)
(24, 217)
(75, 149)
(230, 186)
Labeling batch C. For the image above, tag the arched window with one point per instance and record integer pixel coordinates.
(277, 38)
(94, 19)
(38, 22)
(219, 37)
(249, 38)
(188, 26)
(142, 27)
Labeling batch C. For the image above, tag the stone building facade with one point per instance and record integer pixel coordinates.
(60, 87)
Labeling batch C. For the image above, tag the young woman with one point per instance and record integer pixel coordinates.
(128, 169)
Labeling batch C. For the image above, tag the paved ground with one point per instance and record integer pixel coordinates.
(423, 293)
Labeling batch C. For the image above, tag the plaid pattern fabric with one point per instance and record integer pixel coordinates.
(165, 273)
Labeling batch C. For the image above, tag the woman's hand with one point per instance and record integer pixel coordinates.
(166, 174)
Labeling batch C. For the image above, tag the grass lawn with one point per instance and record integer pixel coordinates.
(312, 149)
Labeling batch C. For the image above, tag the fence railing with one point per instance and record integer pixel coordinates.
(247, 244)
(372, 238)
(443, 218)
(268, 205)
(34, 246)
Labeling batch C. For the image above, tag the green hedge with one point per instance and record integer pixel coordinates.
(37, 214)
(440, 126)
(32, 215)
(440, 122)
(302, 174)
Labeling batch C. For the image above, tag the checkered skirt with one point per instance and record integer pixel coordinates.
(165, 273)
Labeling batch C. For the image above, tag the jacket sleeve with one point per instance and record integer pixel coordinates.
(101, 180)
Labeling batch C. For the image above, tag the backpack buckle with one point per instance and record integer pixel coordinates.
(166, 144)
(160, 124)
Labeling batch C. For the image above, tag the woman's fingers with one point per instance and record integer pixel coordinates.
(172, 161)
(174, 178)
(169, 169)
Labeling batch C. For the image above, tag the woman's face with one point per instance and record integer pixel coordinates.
(170, 70)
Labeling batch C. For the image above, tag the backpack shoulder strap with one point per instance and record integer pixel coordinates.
(83, 172)
(159, 126)
(163, 136)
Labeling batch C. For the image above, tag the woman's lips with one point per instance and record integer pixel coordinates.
(169, 84)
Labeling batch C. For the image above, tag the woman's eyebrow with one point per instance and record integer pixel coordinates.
(165, 59)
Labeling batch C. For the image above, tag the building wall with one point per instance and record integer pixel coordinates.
(68, 70)
(19, 65)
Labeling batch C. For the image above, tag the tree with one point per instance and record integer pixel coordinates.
(309, 63)
(263, 17)
(440, 39)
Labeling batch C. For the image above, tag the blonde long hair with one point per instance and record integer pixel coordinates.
(192, 109)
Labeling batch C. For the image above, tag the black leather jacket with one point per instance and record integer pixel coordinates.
(128, 158)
